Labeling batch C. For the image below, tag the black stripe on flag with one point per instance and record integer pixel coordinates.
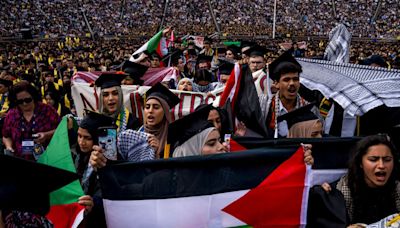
(328, 153)
(191, 176)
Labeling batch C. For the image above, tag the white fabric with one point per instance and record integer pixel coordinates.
(349, 124)
(283, 129)
(262, 82)
(195, 211)
(356, 88)
(338, 48)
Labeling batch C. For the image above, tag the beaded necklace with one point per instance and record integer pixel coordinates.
(299, 102)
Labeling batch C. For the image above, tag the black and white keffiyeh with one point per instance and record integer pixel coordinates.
(133, 146)
(356, 88)
(338, 48)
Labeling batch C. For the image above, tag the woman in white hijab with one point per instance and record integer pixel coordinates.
(194, 135)
(203, 143)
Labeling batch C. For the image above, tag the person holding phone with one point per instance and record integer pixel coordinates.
(136, 146)
(29, 124)
(87, 138)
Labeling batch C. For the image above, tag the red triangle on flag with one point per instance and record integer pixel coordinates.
(236, 147)
(277, 201)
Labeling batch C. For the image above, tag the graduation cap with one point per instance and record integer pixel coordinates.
(5, 82)
(109, 79)
(207, 40)
(94, 120)
(256, 50)
(221, 50)
(183, 129)
(375, 59)
(301, 114)
(234, 49)
(203, 75)
(135, 70)
(245, 44)
(204, 58)
(285, 63)
(26, 185)
(226, 67)
(160, 91)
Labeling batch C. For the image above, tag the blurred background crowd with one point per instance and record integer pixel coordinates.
(365, 18)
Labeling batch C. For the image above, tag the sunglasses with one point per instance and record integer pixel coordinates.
(25, 100)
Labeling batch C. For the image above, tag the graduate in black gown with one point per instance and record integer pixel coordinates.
(369, 192)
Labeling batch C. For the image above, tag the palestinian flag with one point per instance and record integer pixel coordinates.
(65, 210)
(155, 44)
(231, 90)
(241, 92)
(265, 187)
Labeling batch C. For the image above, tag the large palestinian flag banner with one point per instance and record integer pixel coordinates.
(65, 210)
(264, 187)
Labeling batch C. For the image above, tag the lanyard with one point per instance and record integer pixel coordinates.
(23, 126)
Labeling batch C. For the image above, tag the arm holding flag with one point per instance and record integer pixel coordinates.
(371, 180)
(156, 44)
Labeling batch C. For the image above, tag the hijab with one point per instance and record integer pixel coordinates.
(161, 130)
(302, 129)
(194, 145)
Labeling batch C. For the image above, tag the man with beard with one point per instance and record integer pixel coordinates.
(285, 71)
(257, 65)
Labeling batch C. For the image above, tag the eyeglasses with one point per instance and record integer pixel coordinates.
(25, 100)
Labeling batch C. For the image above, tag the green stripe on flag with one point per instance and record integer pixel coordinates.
(58, 154)
(154, 42)
(229, 43)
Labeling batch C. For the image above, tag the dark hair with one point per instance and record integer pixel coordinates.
(54, 96)
(226, 127)
(356, 173)
(286, 67)
(21, 87)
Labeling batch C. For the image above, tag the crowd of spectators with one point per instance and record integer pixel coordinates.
(365, 18)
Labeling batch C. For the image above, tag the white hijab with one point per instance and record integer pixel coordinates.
(194, 145)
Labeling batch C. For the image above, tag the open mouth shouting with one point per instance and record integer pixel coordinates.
(150, 119)
(381, 176)
(292, 91)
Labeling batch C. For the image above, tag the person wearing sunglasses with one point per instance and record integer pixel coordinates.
(29, 124)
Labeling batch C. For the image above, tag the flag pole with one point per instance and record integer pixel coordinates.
(213, 17)
(274, 23)
(164, 14)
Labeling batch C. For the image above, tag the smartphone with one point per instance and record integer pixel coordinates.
(108, 141)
